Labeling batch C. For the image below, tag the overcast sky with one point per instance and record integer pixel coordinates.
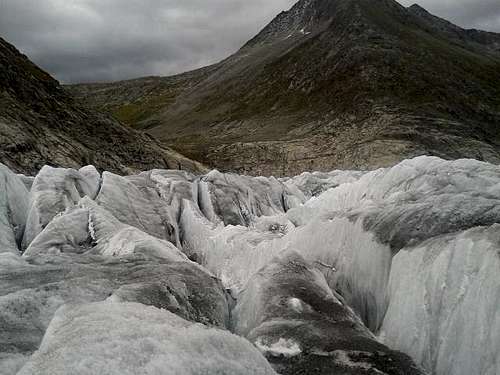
(102, 40)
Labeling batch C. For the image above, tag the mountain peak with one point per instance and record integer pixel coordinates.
(302, 18)
(417, 8)
(308, 16)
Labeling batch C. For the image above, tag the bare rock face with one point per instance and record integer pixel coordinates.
(328, 84)
(40, 124)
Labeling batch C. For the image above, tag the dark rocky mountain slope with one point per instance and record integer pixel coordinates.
(40, 123)
(328, 84)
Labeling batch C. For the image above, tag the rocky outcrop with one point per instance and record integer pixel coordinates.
(40, 123)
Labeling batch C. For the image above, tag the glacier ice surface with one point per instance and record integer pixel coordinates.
(407, 255)
(14, 208)
(53, 191)
(444, 296)
(33, 288)
(139, 340)
(288, 311)
(134, 200)
(356, 233)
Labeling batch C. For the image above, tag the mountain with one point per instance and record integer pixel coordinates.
(328, 84)
(40, 123)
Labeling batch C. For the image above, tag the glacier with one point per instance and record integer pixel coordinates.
(394, 271)
(139, 339)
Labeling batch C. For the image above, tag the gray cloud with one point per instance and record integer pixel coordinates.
(102, 40)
